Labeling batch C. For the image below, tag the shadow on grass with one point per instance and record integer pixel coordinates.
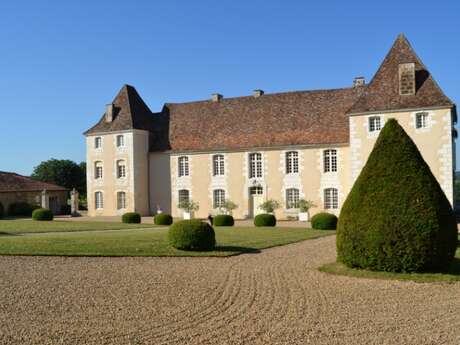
(2, 233)
(239, 250)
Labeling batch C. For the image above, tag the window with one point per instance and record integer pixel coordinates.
(292, 162)
(256, 190)
(292, 198)
(218, 165)
(255, 165)
(120, 140)
(97, 142)
(421, 120)
(121, 169)
(330, 160)
(98, 200)
(183, 166)
(331, 198)
(121, 200)
(184, 195)
(219, 198)
(98, 170)
(375, 124)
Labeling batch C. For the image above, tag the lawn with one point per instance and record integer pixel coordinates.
(151, 242)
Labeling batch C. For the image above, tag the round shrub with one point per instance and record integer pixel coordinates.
(42, 214)
(2, 211)
(324, 221)
(223, 220)
(192, 235)
(163, 219)
(265, 219)
(21, 209)
(131, 217)
(396, 217)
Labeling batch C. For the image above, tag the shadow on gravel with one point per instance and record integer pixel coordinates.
(241, 250)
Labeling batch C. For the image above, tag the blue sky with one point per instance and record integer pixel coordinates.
(62, 61)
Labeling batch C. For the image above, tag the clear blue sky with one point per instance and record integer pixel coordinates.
(62, 61)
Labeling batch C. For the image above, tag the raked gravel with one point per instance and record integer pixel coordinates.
(274, 297)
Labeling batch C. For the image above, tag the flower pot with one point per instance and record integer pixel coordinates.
(187, 215)
(304, 216)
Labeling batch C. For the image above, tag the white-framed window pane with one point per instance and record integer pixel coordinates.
(120, 140)
(121, 169)
(184, 195)
(121, 200)
(98, 200)
(256, 190)
(218, 165)
(183, 166)
(330, 160)
(421, 120)
(292, 198)
(255, 165)
(219, 198)
(331, 198)
(375, 124)
(292, 162)
(97, 142)
(98, 170)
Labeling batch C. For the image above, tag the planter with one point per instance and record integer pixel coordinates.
(187, 215)
(304, 216)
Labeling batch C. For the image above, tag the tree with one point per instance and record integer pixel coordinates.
(64, 173)
(396, 217)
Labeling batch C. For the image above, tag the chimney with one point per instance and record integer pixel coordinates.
(216, 97)
(258, 93)
(407, 79)
(359, 81)
(109, 112)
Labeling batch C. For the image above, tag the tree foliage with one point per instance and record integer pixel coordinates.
(65, 173)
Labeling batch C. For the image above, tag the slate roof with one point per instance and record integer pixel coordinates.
(293, 118)
(12, 182)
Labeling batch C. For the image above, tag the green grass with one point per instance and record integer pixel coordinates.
(153, 242)
(22, 226)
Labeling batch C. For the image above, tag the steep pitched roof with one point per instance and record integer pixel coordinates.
(382, 93)
(130, 112)
(12, 182)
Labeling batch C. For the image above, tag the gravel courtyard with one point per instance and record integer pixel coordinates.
(274, 297)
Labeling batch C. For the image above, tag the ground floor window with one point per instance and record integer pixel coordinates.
(256, 190)
(121, 200)
(219, 198)
(98, 200)
(331, 198)
(292, 198)
(184, 195)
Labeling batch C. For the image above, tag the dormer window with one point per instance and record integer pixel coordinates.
(407, 79)
(120, 140)
(97, 142)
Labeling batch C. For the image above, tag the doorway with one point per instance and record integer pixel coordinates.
(256, 198)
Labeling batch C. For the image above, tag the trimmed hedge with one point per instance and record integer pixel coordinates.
(324, 221)
(21, 209)
(2, 211)
(131, 217)
(396, 217)
(223, 220)
(192, 235)
(163, 219)
(265, 219)
(42, 214)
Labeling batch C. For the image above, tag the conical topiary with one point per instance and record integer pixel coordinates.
(396, 217)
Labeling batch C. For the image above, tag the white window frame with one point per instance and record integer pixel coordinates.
(121, 169)
(374, 127)
(424, 118)
(98, 143)
(292, 198)
(98, 200)
(292, 162)
(255, 165)
(98, 170)
(183, 195)
(120, 140)
(330, 161)
(121, 200)
(183, 168)
(218, 165)
(218, 198)
(331, 199)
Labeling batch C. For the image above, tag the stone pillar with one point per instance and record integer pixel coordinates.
(45, 202)
(74, 203)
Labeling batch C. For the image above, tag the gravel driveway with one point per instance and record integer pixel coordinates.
(274, 297)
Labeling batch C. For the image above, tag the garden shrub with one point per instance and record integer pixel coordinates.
(21, 209)
(324, 221)
(42, 214)
(163, 219)
(223, 220)
(265, 219)
(192, 235)
(131, 217)
(2, 211)
(396, 217)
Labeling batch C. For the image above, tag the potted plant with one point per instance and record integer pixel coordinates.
(229, 206)
(304, 208)
(188, 207)
(270, 206)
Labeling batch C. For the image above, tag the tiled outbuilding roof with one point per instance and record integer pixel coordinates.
(12, 182)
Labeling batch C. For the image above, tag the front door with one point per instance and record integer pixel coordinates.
(256, 198)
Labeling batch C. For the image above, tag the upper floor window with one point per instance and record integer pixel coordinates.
(121, 169)
(184, 195)
(292, 198)
(331, 198)
(218, 165)
(255, 165)
(98, 170)
(421, 120)
(98, 200)
(292, 162)
(97, 142)
(330, 160)
(120, 140)
(121, 200)
(375, 124)
(219, 198)
(183, 166)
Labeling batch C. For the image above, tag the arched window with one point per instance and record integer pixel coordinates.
(219, 198)
(255, 165)
(98, 170)
(121, 169)
(183, 166)
(98, 200)
(184, 195)
(218, 168)
(120, 140)
(292, 198)
(331, 198)
(121, 200)
(292, 162)
(330, 160)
